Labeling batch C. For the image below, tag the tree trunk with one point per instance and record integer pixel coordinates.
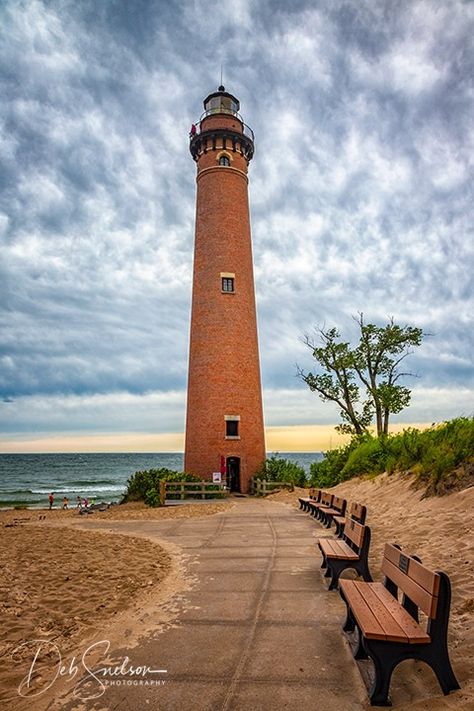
(379, 420)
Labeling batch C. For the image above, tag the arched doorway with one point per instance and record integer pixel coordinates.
(233, 473)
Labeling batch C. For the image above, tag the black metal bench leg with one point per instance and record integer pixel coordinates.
(334, 570)
(438, 659)
(324, 562)
(349, 623)
(384, 666)
(362, 569)
(360, 651)
(366, 574)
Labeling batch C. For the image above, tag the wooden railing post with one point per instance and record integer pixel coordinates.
(162, 492)
(203, 495)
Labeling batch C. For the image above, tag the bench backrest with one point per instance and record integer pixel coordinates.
(418, 583)
(315, 494)
(358, 512)
(339, 503)
(326, 499)
(354, 532)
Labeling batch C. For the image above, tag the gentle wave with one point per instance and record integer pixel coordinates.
(92, 482)
(72, 488)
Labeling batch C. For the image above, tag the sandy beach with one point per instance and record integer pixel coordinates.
(65, 583)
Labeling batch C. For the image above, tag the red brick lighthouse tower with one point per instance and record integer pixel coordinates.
(224, 424)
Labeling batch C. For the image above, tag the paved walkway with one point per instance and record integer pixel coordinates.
(259, 631)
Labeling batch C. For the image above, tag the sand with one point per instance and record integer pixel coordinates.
(66, 585)
(440, 530)
(61, 582)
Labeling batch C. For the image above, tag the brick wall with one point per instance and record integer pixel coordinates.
(224, 369)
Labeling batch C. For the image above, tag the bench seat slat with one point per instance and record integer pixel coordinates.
(334, 548)
(415, 634)
(364, 616)
(394, 624)
(327, 546)
(391, 629)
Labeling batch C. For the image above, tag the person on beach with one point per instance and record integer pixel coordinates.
(79, 503)
(65, 502)
(51, 500)
(86, 502)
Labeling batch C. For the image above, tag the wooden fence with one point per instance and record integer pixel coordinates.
(261, 487)
(190, 489)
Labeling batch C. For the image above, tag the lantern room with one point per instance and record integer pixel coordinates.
(221, 102)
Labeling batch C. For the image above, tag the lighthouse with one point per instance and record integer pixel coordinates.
(224, 418)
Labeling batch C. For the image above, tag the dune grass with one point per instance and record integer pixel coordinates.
(441, 457)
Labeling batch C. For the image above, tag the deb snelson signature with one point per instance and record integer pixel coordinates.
(93, 683)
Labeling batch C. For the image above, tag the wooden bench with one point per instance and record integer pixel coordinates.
(350, 552)
(389, 631)
(357, 513)
(338, 508)
(314, 496)
(325, 502)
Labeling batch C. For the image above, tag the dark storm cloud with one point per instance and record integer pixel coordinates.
(361, 191)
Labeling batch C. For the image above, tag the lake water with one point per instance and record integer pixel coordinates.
(29, 478)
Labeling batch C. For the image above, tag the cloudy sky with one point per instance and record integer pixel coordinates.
(361, 194)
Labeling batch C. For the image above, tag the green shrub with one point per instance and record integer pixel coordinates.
(152, 497)
(145, 485)
(328, 472)
(276, 469)
(368, 457)
(432, 455)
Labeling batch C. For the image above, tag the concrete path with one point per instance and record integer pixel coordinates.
(259, 631)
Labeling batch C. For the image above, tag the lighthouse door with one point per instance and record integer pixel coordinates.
(233, 473)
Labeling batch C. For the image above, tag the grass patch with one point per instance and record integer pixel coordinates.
(441, 457)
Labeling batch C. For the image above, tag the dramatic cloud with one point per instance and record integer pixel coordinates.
(361, 192)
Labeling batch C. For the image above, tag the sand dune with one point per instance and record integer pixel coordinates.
(440, 530)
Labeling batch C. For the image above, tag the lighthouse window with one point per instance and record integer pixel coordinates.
(224, 160)
(232, 428)
(228, 285)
